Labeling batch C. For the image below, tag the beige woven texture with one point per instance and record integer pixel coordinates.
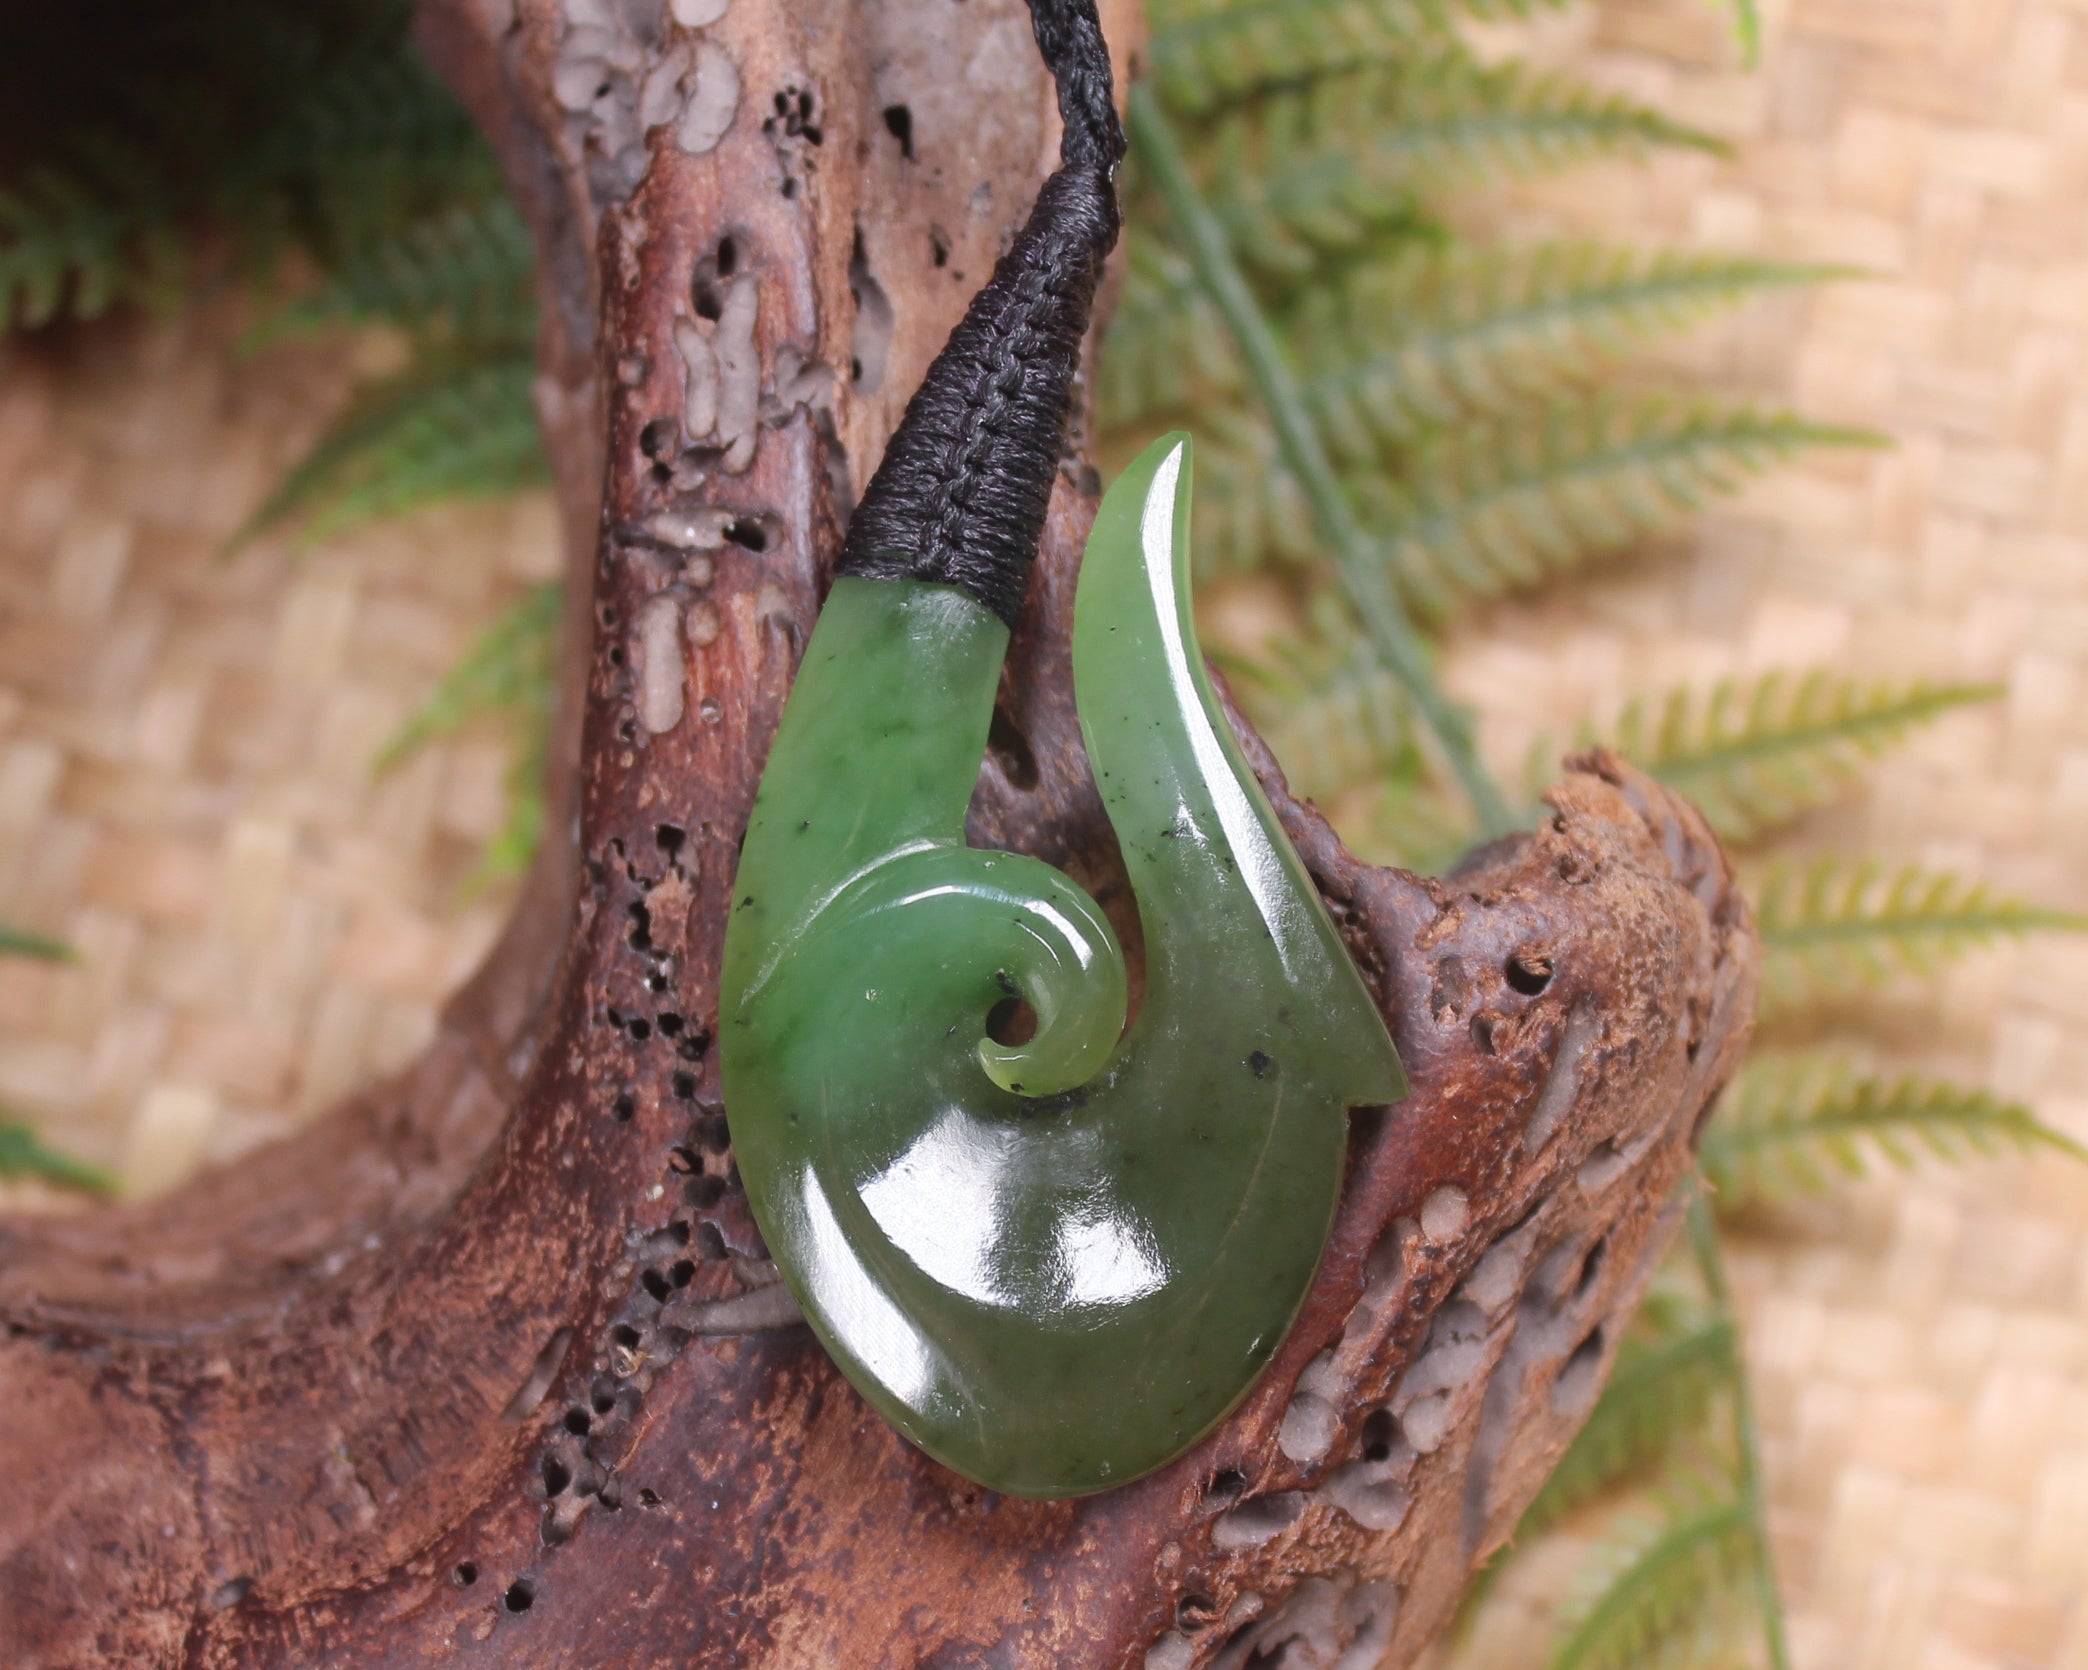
(1920, 1346)
(187, 793)
(186, 790)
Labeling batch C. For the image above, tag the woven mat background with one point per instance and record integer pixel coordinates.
(185, 789)
(1919, 1346)
(186, 744)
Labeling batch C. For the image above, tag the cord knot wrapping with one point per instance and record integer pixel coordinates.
(960, 496)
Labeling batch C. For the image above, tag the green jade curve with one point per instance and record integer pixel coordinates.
(1055, 1265)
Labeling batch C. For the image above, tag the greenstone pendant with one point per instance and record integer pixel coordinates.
(1054, 1265)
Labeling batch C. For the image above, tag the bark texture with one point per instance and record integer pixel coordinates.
(490, 1367)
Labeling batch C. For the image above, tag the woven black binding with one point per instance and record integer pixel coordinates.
(961, 494)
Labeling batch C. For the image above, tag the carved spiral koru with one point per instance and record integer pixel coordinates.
(1054, 1264)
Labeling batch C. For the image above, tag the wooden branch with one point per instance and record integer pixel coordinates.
(491, 1367)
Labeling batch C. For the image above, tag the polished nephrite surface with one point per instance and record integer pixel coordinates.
(1052, 1265)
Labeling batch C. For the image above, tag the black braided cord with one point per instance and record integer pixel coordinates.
(961, 494)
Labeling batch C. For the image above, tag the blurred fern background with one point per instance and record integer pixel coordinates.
(1401, 417)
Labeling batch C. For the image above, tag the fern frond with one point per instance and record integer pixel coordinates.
(448, 426)
(71, 244)
(1792, 1124)
(514, 844)
(370, 145)
(1328, 708)
(1328, 168)
(1403, 348)
(509, 675)
(1498, 506)
(1838, 922)
(259, 123)
(1503, 506)
(1671, 1588)
(1166, 349)
(1423, 825)
(1669, 1372)
(466, 267)
(1204, 56)
(25, 1154)
(16, 943)
(1755, 753)
(1339, 722)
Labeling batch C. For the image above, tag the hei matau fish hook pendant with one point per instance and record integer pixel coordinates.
(1052, 1265)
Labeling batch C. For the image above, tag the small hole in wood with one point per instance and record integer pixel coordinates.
(703, 1191)
(898, 121)
(1529, 972)
(1591, 1268)
(520, 1596)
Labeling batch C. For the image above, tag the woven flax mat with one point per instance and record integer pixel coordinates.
(1919, 1346)
(186, 792)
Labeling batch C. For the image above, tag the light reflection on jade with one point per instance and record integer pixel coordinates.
(1052, 1265)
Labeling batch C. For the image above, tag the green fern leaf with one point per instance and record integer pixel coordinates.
(1166, 350)
(1503, 506)
(75, 240)
(57, 244)
(509, 676)
(1205, 56)
(371, 145)
(257, 123)
(15, 943)
(1838, 923)
(1791, 1124)
(448, 426)
(1500, 506)
(23, 1154)
(466, 268)
(1404, 348)
(514, 844)
(1341, 727)
(1330, 168)
(1670, 1370)
(1329, 710)
(1424, 826)
(1671, 1588)
(1755, 753)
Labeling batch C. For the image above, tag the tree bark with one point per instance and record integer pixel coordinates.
(491, 1367)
